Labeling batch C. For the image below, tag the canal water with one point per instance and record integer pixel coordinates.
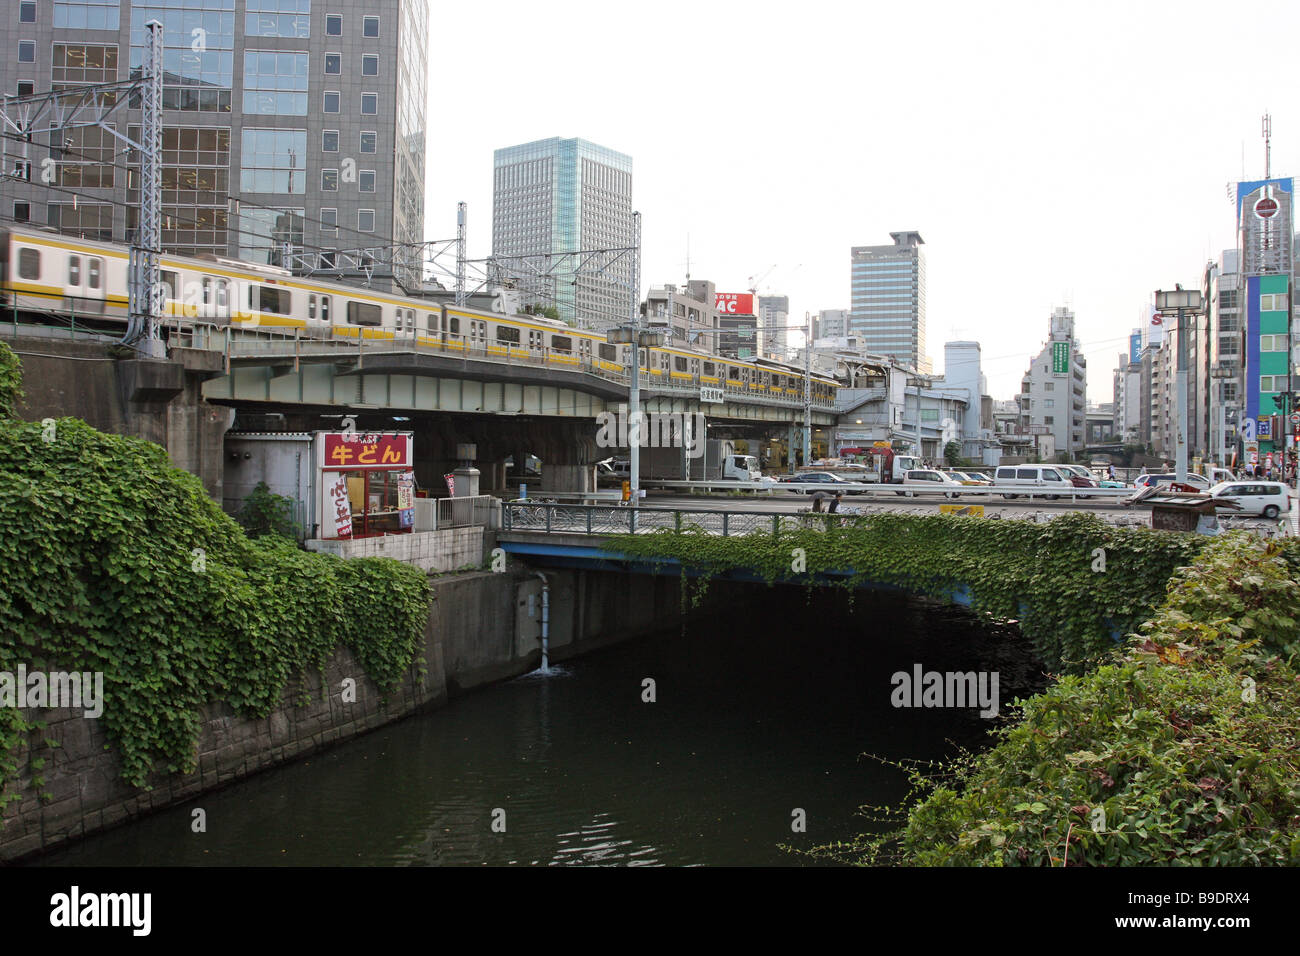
(757, 715)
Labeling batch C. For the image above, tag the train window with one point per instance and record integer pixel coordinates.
(562, 343)
(361, 313)
(607, 352)
(311, 303)
(223, 290)
(710, 368)
(431, 322)
(74, 270)
(325, 307)
(170, 280)
(271, 299)
(507, 334)
(733, 372)
(453, 325)
(680, 363)
(93, 267)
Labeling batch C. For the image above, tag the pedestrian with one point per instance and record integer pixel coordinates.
(835, 504)
(817, 500)
(1110, 471)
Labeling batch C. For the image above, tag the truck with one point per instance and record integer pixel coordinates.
(893, 467)
(719, 461)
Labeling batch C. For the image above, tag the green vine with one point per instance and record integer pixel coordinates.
(119, 563)
(1185, 750)
(1069, 598)
(11, 381)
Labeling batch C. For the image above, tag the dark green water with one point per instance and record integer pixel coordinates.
(757, 714)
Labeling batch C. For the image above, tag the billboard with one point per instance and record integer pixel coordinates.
(1060, 358)
(1264, 225)
(1135, 346)
(734, 303)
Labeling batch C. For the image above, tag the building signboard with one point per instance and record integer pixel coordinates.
(734, 303)
(1060, 357)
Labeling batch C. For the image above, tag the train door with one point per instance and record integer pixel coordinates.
(584, 351)
(478, 334)
(216, 298)
(536, 342)
(84, 283)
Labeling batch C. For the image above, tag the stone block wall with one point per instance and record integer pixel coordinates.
(445, 550)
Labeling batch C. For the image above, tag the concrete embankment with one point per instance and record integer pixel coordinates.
(483, 627)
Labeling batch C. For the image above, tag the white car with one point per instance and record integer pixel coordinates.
(928, 479)
(1255, 497)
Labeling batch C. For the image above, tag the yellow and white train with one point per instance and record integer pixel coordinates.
(44, 272)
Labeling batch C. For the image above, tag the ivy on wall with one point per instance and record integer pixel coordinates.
(1184, 751)
(1072, 583)
(116, 561)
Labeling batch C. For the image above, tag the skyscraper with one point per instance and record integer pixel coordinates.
(556, 196)
(283, 122)
(888, 299)
(773, 318)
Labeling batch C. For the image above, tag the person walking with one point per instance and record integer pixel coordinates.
(835, 503)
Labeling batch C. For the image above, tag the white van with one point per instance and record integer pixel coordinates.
(1266, 498)
(1033, 476)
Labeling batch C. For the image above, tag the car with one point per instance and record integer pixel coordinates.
(929, 479)
(1154, 481)
(1033, 476)
(1254, 497)
(969, 478)
(1078, 476)
(814, 477)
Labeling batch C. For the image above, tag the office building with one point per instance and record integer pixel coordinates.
(830, 324)
(688, 316)
(773, 317)
(284, 122)
(1054, 391)
(557, 196)
(888, 299)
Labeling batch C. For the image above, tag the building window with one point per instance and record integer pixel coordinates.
(85, 15)
(22, 212)
(1049, 420)
(27, 11)
(26, 88)
(369, 104)
(333, 25)
(274, 161)
(329, 220)
(368, 141)
(1049, 386)
(26, 51)
(329, 141)
(331, 102)
(278, 18)
(370, 26)
(369, 64)
(329, 180)
(275, 84)
(1049, 403)
(1273, 303)
(333, 63)
(366, 181)
(365, 220)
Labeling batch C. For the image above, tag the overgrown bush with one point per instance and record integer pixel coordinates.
(115, 561)
(1185, 750)
(265, 512)
(11, 381)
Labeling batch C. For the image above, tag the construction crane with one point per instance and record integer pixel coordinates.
(755, 280)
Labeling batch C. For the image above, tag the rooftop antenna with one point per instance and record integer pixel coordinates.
(688, 259)
(1268, 146)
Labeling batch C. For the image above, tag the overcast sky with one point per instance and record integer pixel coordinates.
(1048, 153)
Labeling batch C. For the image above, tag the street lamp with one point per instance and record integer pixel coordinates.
(633, 335)
(1182, 301)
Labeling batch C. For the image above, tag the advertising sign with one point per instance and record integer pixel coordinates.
(1264, 428)
(406, 499)
(1264, 223)
(711, 394)
(450, 479)
(354, 450)
(734, 303)
(1060, 357)
(337, 495)
(1135, 346)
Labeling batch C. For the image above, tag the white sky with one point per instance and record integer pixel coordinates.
(1048, 155)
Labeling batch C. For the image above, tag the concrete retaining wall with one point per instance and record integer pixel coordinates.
(483, 627)
(445, 550)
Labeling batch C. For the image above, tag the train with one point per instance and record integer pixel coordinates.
(43, 271)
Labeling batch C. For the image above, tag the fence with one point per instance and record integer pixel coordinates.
(601, 519)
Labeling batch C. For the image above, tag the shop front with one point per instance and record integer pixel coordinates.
(367, 483)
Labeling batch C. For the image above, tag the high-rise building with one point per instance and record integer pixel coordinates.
(1054, 391)
(831, 324)
(773, 317)
(284, 122)
(888, 299)
(557, 196)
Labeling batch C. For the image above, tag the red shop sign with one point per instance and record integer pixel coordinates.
(344, 451)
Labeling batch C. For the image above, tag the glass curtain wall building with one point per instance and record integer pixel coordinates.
(298, 122)
(556, 196)
(888, 299)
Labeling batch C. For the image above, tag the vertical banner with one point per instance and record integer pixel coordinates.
(337, 490)
(451, 483)
(1060, 357)
(406, 499)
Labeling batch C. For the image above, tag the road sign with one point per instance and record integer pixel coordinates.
(1248, 429)
(1295, 419)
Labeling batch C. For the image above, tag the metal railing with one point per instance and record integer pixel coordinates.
(467, 512)
(871, 490)
(602, 519)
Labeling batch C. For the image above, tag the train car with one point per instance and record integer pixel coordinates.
(42, 271)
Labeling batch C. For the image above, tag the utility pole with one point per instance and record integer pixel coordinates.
(807, 389)
(461, 216)
(634, 387)
(144, 297)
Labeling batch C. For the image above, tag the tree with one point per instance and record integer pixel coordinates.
(952, 453)
(11, 382)
(265, 512)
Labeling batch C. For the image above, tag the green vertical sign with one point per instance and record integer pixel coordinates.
(1061, 357)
